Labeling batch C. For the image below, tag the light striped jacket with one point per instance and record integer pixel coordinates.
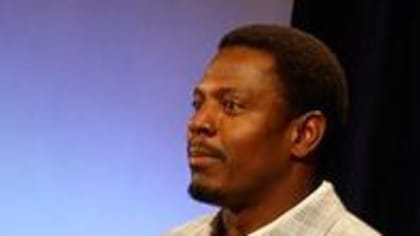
(321, 213)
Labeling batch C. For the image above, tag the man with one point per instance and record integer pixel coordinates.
(267, 112)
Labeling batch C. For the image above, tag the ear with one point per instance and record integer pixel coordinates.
(307, 132)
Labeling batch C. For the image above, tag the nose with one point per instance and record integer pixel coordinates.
(202, 122)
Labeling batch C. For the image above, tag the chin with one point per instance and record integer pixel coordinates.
(205, 193)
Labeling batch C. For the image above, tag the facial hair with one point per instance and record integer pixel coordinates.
(204, 194)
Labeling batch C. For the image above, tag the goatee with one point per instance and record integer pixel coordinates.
(204, 194)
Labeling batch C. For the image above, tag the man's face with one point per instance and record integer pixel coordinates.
(238, 136)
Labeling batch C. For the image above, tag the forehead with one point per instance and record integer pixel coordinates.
(240, 68)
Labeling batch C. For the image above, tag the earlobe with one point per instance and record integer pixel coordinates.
(308, 133)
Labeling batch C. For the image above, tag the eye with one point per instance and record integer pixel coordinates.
(231, 106)
(196, 104)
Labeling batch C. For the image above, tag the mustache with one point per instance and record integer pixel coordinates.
(203, 148)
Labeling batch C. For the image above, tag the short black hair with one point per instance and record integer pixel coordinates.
(310, 73)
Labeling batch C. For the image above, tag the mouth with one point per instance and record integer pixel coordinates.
(200, 155)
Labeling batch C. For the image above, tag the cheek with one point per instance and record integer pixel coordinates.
(250, 142)
(242, 139)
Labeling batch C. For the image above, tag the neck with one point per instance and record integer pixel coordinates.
(267, 206)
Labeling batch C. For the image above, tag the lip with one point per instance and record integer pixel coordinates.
(202, 155)
(202, 149)
(197, 161)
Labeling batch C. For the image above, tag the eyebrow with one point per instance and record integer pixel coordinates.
(219, 92)
(198, 91)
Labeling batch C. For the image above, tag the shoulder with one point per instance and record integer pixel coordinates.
(349, 225)
(194, 227)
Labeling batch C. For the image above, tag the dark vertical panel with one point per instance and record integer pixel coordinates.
(377, 42)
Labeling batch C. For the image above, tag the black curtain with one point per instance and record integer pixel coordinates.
(378, 42)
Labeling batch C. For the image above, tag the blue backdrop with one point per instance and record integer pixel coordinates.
(94, 97)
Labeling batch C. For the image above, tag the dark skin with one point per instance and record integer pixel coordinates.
(245, 150)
